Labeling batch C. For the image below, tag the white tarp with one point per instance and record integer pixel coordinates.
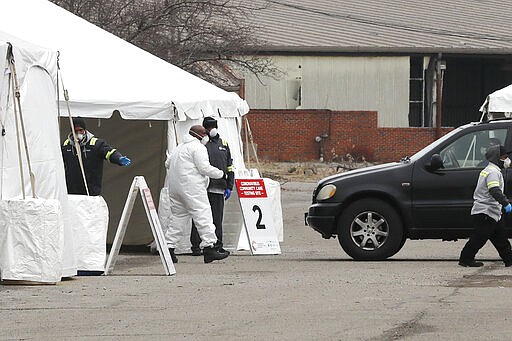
(90, 224)
(36, 71)
(498, 101)
(31, 240)
(105, 73)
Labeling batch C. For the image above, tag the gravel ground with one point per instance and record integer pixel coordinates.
(312, 291)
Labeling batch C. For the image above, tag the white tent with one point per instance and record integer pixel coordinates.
(36, 70)
(498, 101)
(104, 73)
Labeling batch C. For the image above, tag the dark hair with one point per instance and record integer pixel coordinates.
(79, 122)
(209, 122)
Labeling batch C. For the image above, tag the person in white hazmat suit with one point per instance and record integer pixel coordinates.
(189, 172)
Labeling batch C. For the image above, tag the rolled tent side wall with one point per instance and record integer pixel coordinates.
(36, 74)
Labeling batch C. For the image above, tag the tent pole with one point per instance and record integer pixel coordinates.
(77, 144)
(252, 142)
(247, 144)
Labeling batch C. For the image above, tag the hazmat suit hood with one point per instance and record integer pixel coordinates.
(493, 154)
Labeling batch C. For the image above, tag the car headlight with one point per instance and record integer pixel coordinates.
(326, 192)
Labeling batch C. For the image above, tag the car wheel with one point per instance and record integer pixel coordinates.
(370, 229)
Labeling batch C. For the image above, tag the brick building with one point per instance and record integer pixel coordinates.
(417, 65)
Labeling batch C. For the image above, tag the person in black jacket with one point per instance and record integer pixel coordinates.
(219, 190)
(94, 152)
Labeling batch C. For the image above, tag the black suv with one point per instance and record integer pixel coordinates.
(429, 195)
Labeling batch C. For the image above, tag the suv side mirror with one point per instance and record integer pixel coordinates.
(435, 163)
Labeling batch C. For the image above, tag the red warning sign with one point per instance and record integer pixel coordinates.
(251, 188)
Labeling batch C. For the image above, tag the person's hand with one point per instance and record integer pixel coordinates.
(227, 194)
(124, 161)
(508, 208)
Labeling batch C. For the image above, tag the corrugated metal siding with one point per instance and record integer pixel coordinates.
(338, 83)
(479, 26)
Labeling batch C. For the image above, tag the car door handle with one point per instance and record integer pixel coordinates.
(406, 184)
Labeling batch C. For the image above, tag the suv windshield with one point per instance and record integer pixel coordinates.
(468, 150)
(436, 143)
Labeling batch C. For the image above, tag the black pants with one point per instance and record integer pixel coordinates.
(217, 205)
(486, 229)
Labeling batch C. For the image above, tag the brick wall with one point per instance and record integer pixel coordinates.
(289, 135)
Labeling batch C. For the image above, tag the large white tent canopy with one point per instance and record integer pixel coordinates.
(105, 73)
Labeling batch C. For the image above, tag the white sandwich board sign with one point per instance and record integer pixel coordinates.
(139, 185)
(257, 213)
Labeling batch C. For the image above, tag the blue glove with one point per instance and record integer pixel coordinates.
(508, 208)
(227, 194)
(124, 161)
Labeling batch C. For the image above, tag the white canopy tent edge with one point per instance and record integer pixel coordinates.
(104, 73)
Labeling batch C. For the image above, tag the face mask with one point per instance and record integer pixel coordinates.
(213, 132)
(506, 163)
(79, 137)
(204, 140)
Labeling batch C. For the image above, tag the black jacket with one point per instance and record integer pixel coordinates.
(94, 152)
(220, 157)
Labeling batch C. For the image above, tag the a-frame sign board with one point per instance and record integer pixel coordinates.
(139, 185)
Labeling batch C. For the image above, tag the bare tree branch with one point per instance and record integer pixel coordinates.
(205, 37)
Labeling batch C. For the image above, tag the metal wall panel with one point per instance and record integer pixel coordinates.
(337, 83)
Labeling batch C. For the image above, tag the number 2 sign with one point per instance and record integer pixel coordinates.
(257, 213)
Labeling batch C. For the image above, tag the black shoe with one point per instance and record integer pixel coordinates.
(173, 256)
(471, 264)
(222, 250)
(195, 251)
(211, 253)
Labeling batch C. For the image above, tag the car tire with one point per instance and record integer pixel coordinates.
(370, 229)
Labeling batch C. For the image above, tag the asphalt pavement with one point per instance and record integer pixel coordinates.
(312, 291)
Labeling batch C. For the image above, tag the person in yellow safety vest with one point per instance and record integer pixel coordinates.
(489, 201)
(94, 152)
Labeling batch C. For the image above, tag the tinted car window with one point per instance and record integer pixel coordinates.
(469, 150)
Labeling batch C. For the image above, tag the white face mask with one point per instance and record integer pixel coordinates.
(213, 132)
(79, 137)
(506, 163)
(205, 140)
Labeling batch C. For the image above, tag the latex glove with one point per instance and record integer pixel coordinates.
(508, 208)
(124, 161)
(227, 194)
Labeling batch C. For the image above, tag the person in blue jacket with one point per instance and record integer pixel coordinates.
(94, 152)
